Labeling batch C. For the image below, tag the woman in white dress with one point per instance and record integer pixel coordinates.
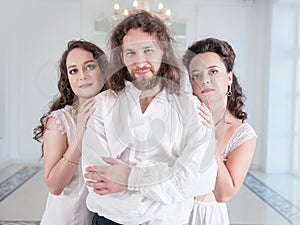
(210, 65)
(82, 69)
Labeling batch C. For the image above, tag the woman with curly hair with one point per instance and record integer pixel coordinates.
(210, 65)
(81, 77)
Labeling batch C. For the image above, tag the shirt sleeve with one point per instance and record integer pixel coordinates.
(94, 143)
(192, 173)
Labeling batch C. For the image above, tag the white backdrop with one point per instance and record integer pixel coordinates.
(35, 33)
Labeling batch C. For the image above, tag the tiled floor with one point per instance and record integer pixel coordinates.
(272, 199)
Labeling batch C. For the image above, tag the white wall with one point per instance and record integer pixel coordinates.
(33, 36)
(281, 88)
(36, 32)
(242, 23)
(239, 23)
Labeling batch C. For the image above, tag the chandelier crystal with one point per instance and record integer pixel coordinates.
(142, 5)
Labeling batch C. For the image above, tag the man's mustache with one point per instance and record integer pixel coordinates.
(143, 69)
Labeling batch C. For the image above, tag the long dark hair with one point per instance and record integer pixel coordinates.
(66, 96)
(153, 25)
(235, 102)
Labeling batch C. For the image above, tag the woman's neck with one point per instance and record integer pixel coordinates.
(78, 103)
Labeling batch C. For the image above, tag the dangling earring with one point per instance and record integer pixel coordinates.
(229, 93)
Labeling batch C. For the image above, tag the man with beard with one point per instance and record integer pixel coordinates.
(145, 133)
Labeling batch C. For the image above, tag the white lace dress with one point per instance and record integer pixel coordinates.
(212, 212)
(69, 208)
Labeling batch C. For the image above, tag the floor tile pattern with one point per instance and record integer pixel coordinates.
(19, 223)
(284, 207)
(9, 185)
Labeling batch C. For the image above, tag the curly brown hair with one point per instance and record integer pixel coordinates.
(66, 96)
(169, 69)
(235, 102)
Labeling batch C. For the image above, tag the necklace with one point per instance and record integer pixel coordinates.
(76, 107)
(219, 122)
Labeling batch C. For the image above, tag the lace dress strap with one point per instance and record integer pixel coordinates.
(242, 134)
(65, 120)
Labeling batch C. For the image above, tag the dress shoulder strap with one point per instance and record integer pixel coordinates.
(242, 134)
(65, 120)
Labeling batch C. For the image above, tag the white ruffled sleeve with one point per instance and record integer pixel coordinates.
(65, 120)
(59, 120)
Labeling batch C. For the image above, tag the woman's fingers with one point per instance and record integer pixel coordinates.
(207, 116)
(83, 115)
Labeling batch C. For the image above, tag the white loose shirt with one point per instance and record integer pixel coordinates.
(170, 150)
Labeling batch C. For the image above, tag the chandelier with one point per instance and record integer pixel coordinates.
(142, 5)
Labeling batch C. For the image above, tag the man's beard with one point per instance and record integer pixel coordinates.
(145, 83)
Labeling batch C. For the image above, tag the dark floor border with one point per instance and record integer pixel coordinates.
(19, 222)
(37, 223)
(16, 180)
(281, 205)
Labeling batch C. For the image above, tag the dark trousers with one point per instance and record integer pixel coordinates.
(100, 220)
